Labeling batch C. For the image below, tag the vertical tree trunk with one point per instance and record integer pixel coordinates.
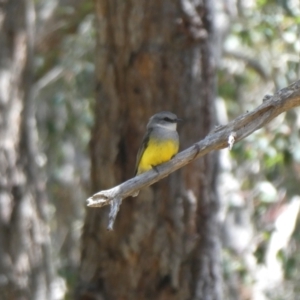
(25, 269)
(201, 177)
(152, 56)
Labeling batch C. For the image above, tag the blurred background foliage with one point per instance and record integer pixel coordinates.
(262, 54)
(65, 90)
(259, 181)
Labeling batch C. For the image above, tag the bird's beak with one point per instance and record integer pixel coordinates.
(178, 120)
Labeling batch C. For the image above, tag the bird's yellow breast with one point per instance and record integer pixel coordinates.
(156, 153)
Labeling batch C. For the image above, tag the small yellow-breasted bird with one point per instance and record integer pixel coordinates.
(160, 143)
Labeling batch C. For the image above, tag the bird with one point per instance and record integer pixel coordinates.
(160, 143)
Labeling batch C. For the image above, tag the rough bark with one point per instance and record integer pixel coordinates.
(152, 56)
(25, 268)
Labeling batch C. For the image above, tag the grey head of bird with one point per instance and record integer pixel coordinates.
(164, 119)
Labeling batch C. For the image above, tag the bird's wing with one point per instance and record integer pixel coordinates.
(142, 149)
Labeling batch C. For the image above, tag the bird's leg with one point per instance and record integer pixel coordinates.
(155, 169)
(197, 149)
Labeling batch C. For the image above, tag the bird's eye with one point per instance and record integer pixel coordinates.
(167, 119)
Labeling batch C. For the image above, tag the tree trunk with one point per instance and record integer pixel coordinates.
(25, 268)
(152, 56)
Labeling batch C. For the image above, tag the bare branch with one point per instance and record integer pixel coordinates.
(283, 100)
